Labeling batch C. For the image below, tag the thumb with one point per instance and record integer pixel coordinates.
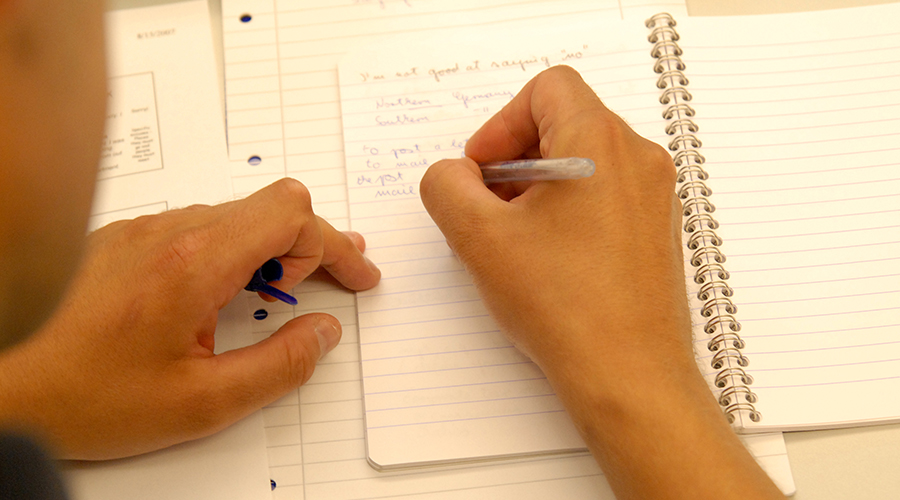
(455, 196)
(256, 375)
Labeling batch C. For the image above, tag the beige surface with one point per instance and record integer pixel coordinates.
(737, 7)
(861, 463)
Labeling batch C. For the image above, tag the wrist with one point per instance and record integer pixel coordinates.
(655, 428)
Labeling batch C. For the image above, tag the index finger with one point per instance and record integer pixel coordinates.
(229, 242)
(334, 251)
(528, 122)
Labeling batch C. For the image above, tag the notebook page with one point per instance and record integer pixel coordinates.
(436, 370)
(165, 148)
(799, 120)
(402, 355)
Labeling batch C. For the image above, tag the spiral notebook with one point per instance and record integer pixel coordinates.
(785, 133)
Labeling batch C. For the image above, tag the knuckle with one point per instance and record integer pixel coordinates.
(659, 163)
(185, 246)
(181, 252)
(588, 131)
(294, 191)
(432, 177)
(195, 207)
(344, 251)
(145, 225)
(561, 72)
(565, 81)
(139, 233)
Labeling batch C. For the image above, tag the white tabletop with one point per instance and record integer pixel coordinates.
(859, 463)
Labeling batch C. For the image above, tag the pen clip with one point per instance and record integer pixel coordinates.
(272, 270)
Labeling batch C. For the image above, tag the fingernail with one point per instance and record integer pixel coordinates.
(356, 238)
(328, 334)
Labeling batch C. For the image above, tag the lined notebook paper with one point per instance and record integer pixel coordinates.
(805, 164)
(316, 435)
(283, 109)
(802, 127)
(437, 371)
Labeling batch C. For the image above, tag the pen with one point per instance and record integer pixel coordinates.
(546, 169)
(272, 270)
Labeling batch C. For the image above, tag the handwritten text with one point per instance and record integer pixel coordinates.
(403, 119)
(467, 98)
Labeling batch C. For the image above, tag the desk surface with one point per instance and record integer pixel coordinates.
(836, 464)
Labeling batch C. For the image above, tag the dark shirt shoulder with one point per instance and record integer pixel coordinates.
(26, 472)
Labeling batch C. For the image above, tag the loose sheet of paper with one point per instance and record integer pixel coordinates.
(800, 129)
(165, 148)
(436, 370)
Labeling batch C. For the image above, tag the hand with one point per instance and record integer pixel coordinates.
(586, 277)
(126, 364)
(587, 271)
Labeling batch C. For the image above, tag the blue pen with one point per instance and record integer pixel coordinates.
(272, 270)
(547, 169)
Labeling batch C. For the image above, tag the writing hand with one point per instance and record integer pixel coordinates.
(586, 277)
(561, 262)
(126, 364)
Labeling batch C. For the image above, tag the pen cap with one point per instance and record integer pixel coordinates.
(272, 270)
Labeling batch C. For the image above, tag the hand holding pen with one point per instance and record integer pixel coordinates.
(586, 277)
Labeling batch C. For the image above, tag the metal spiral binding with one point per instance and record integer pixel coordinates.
(725, 343)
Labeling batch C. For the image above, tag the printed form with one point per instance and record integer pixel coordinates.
(164, 145)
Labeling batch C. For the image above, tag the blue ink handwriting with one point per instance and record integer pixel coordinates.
(403, 119)
(400, 101)
(466, 98)
(439, 73)
(397, 192)
(381, 180)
